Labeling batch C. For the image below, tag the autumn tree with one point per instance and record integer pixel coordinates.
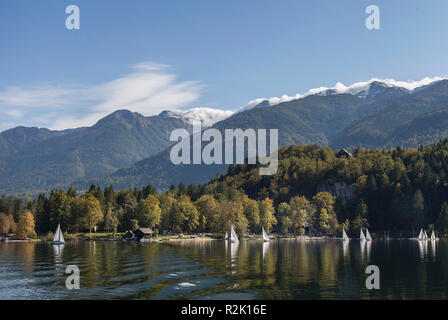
(25, 226)
(301, 213)
(5, 223)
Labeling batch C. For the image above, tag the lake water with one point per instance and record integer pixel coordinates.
(281, 269)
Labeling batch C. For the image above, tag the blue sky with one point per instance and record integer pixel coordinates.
(150, 55)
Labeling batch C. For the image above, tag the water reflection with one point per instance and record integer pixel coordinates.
(433, 249)
(363, 245)
(57, 253)
(345, 246)
(265, 249)
(369, 250)
(281, 269)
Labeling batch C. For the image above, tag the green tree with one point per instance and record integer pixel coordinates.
(93, 214)
(418, 207)
(284, 217)
(267, 214)
(189, 213)
(442, 223)
(208, 208)
(111, 221)
(59, 209)
(327, 221)
(252, 212)
(149, 212)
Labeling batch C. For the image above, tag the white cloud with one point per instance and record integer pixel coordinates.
(148, 89)
(14, 113)
(342, 88)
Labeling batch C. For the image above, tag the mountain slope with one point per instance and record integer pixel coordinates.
(376, 130)
(305, 121)
(116, 141)
(402, 119)
(19, 138)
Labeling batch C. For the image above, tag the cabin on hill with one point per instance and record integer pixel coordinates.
(143, 233)
(344, 154)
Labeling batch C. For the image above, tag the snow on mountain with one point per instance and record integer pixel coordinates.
(370, 88)
(206, 116)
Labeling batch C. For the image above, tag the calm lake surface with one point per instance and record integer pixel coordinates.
(281, 269)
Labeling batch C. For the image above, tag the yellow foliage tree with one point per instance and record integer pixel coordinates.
(25, 226)
(4, 223)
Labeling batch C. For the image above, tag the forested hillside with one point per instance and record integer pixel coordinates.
(398, 190)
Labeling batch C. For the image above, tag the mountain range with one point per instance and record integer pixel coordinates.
(127, 149)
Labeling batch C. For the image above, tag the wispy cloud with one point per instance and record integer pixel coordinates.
(148, 88)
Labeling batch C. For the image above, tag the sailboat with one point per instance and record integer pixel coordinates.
(425, 236)
(362, 237)
(233, 236)
(265, 236)
(226, 237)
(420, 235)
(433, 236)
(368, 236)
(344, 235)
(58, 237)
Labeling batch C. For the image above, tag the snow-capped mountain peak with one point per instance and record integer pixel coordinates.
(206, 116)
(367, 89)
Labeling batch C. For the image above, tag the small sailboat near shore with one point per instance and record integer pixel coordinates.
(344, 235)
(420, 235)
(433, 236)
(368, 236)
(265, 236)
(362, 237)
(233, 236)
(58, 237)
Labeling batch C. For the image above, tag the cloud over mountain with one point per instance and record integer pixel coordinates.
(148, 88)
(339, 87)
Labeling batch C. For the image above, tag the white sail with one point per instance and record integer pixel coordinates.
(344, 235)
(420, 235)
(425, 236)
(433, 236)
(58, 236)
(265, 236)
(362, 236)
(368, 236)
(233, 236)
(226, 236)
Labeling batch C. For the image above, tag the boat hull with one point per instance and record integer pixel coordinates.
(57, 243)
